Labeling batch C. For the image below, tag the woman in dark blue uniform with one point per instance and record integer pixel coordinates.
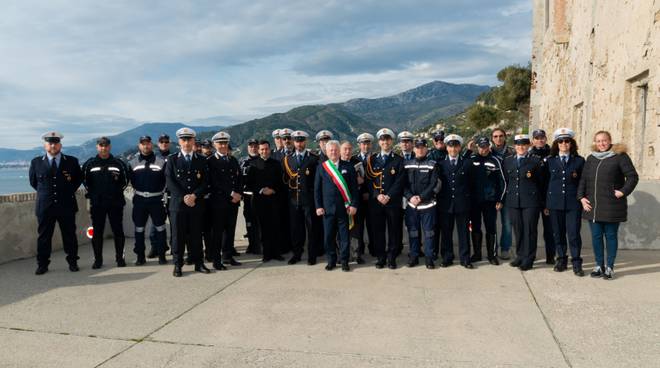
(564, 169)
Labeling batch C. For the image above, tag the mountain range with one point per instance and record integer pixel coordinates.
(408, 110)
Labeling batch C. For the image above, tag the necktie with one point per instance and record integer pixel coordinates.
(188, 161)
(299, 158)
(563, 160)
(519, 160)
(53, 166)
(453, 162)
(407, 156)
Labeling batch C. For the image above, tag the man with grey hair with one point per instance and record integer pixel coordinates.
(336, 199)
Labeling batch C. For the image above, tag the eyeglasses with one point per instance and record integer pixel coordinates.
(564, 141)
(287, 138)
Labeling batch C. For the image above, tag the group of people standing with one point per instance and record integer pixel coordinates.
(294, 196)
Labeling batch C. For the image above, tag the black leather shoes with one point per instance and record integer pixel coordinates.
(41, 270)
(344, 267)
(359, 260)
(96, 265)
(469, 266)
(559, 267)
(140, 261)
(475, 258)
(162, 260)
(413, 262)
(391, 265)
(330, 267)
(525, 267)
(430, 265)
(494, 261)
(445, 264)
(152, 253)
(232, 262)
(73, 267)
(177, 271)
(219, 266)
(311, 261)
(202, 268)
(380, 264)
(294, 260)
(121, 262)
(515, 263)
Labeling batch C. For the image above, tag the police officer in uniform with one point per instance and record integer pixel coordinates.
(422, 186)
(56, 177)
(564, 169)
(364, 141)
(208, 231)
(488, 184)
(454, 202)
(105, 177)
(163, 152)
(541, 150)
(226, 188)
(279, 144)
(251, 222)
(147, 176)
(406, 145)
(524, 197)
(186, 175)
(322, 137)
(438, 154)
(385, 178)
(264, 180)
(299, 173)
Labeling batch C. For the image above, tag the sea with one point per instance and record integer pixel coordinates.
(14, 180)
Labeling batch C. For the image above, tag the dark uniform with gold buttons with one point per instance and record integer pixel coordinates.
(384, 174)
(226, 189)
(548, 240)
(251, 221)
(362, 217)
(564, 172)
(524, 197)
(56, 179)
(299, 173)
(186, 173)
(105, 180)
(454, 201)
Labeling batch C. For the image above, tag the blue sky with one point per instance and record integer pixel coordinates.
(99, 67)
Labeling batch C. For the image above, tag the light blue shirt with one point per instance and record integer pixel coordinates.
(57, 158)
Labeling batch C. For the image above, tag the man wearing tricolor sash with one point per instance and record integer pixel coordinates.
(336, 199)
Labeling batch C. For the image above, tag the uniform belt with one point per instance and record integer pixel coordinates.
(422, 206)
(148, 194)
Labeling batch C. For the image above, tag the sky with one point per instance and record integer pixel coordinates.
(87, 68)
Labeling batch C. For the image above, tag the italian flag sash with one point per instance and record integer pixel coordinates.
(339, 181)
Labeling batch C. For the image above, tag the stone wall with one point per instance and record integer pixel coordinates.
(596, 66)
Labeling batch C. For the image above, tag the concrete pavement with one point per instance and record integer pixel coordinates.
(275, 315)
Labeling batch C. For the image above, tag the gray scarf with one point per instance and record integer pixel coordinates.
(603, 155)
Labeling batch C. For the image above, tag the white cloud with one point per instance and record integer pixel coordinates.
(66, 60)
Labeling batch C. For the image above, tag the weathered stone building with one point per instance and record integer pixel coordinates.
(596, 66)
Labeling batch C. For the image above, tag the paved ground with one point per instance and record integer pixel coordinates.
(272, 315)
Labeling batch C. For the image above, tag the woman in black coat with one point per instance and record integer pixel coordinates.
(608, 178)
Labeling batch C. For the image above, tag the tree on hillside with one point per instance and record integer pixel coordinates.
(514, 92)
(482, 116)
